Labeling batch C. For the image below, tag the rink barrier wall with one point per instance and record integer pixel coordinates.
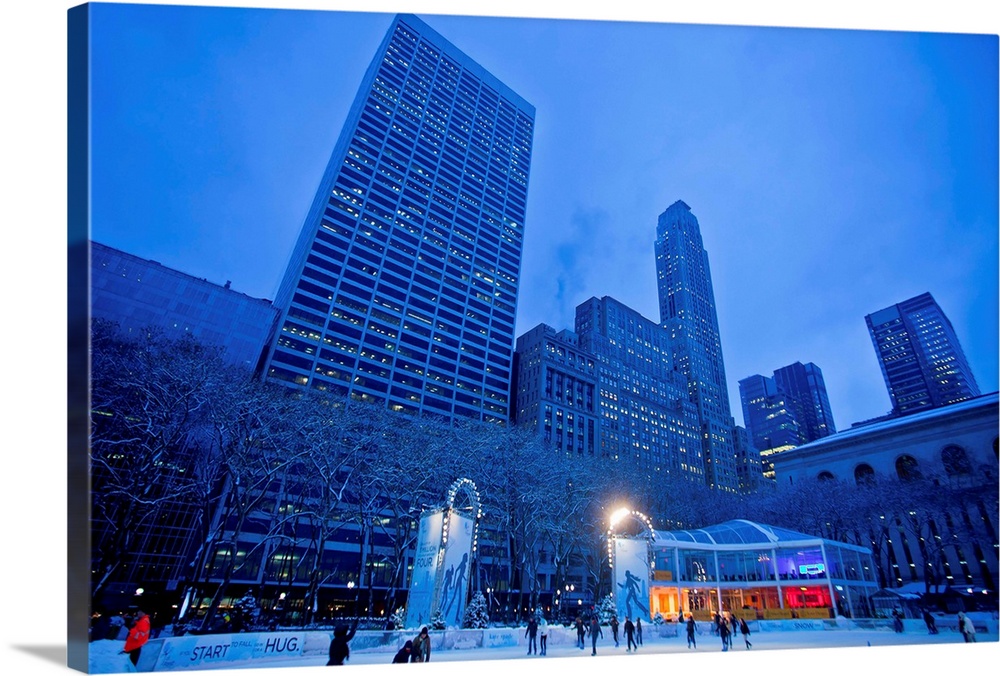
(210, 650)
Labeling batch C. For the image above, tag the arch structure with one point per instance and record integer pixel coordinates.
(472, 506)
(622, 515)
(630, 559)
(750, 570)
(447, 541)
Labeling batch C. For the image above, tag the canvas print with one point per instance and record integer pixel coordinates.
(430, 338)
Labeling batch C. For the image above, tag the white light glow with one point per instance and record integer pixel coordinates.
(619, 515)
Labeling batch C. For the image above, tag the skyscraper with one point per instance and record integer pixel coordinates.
(784, 411)
(687, 311)
(921, 359)
(769, 417)
(806, 390)
(403, 285)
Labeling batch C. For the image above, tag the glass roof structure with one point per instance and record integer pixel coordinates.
(737, 532)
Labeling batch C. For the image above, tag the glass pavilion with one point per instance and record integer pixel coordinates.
(758, 571)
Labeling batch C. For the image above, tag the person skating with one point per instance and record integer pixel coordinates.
(543, 631)
(692, 643)
(724, 635)
(638, 630)
(137, 637)
(968, 629)
(630, 635)
(403, 656)
(595, 632)
(734, 626)
(897, 621)
(745, 630)
(929, 621)
(614, 629)
(421, 647)
(581, 629)
(339, 651)
(531, 634)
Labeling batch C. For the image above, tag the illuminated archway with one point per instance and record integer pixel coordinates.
(619, 516)
(472, 506)
(629, 557)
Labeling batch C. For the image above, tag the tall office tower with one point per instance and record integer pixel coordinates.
(921, 359)
(138, 293)
(403, 285)
(805, 388)
(646, 416)
(687, 311)
(770, 420)
(556, 390)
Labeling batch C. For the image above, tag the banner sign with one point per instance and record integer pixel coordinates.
(456, 567)
(501, 638)
(420, 600)
(791, 625)
(631, 577)
(201, 652)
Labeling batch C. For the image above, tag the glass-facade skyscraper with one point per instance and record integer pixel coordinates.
(921, 359)
(806, 390)
(786, 410)
(687, 311)
(403, 285)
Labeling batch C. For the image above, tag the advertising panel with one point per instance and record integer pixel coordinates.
(457, 562)
(631, 570)
(425, 570)
(211, 650)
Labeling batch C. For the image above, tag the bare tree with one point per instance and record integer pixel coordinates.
(260, 435)
(150, 397)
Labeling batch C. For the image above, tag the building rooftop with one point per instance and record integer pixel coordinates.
(897, 423)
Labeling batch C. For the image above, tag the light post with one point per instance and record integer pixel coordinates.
(350, 588)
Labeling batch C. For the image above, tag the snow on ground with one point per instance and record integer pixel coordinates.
(106, 656)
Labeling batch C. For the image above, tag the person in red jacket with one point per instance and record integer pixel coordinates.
(137, 637)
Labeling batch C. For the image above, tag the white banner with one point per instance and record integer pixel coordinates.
(456, 566)
(199, 652)
(425, 570)
(631, 568)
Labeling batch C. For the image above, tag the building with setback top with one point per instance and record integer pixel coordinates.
(687, 311)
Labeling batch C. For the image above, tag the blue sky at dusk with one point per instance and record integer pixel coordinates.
(834, 172)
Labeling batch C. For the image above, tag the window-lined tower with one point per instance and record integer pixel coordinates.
(806, 389)
(402, 287)
(687, 311)
(921, 359)
(785, 411)
(646, 417)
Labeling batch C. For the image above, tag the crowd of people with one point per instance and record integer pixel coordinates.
(136, 625)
